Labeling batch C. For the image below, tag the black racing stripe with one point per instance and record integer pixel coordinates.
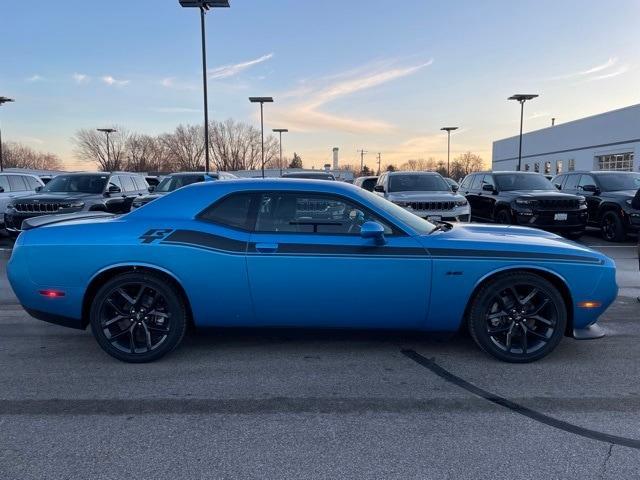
(321, 249)
(194, 238)
(431, 365)
(492, 254)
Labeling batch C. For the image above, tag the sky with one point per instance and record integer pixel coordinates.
(355, 74)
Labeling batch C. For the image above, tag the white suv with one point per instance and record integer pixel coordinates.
(15, 185)
(426, 194)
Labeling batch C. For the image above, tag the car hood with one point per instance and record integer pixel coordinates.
(443, 196)
(507, 240)
(56, 197)
(540, 194)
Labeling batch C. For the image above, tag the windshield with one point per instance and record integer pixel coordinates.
(619, 181)
(77, 184)
(417, 183)
(522, 181)
(420, 225)
(173, 182)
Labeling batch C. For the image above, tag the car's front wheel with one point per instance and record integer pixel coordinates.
(517, 317)
(612, 227)
(138, 317)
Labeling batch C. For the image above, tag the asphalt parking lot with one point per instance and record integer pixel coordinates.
(300, 404)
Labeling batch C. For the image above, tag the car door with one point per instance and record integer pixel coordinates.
(593, 198)
(308, 265)
(486, 198)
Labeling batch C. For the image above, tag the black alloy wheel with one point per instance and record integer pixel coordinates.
(504, 217)
(518, 317)
(138, 317)
(612, 227)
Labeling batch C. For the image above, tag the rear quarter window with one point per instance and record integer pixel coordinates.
(17, 183)
(231, 211)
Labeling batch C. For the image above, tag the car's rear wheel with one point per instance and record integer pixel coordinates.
(138, 317)
(612, 227)
(517, 317)
(504, 217)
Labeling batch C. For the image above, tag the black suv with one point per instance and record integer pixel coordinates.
(77, 192)
(609, 196)
(524, 198)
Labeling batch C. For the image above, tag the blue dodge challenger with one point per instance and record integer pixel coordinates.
(303, 253)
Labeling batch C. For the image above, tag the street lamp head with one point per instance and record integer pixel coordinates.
(449, 129)
(280, 130)
(261, 99)
(205, 4)
(522, 97)
(106, 130)
(6, 100)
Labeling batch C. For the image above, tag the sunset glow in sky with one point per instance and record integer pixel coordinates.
(379, 75)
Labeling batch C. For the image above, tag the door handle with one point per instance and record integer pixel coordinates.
(266, 247)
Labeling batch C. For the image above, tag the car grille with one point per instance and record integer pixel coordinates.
(432, 205)
(556, 204)
(38, 207)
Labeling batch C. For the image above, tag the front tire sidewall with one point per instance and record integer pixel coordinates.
(618, 235)
(173, 301)
(481, 303)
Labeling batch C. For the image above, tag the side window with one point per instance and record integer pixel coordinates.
(32, 183)
(381, 179)
(232, 211)
(477, 180)
(4, 183)
(585, 180)
(312, 213)
(558, 181)
(139, 183)
(466, 182)
(572, 182)
(488, 180)
(127, 183)
(17, 184)
(114, 181)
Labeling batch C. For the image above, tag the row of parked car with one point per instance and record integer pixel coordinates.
(24, 196)
(566, 204)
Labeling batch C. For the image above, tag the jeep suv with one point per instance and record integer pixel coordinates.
(524, 198)
(425, 194)
(16, 185)
(77, 192)
(609, 196)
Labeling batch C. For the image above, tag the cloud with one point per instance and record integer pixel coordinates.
(623, 69)
(109, 80)
(35, 78)
(538, 115)
(587, 75)
(227, 71)
(35, 140)
(80, 78)
(170, 82)
(301, 108)
(176, 110)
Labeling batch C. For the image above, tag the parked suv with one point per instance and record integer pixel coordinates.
(425, 194)
(609, 196)
(524, 198)
(366, 182)
(16, 185)
(77, 192)
(175, 181)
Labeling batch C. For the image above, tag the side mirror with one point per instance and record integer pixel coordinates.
(114, 189)
(38, 188)
(1, 190)
(373, 230)
(455, 188)
(488, 188)
(558, 186)
(590, 188)
(379, 188)
(151, 188)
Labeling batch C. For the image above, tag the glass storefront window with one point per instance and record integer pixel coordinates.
(622, 162)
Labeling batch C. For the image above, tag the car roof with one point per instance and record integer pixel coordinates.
(416, 172)
(20, 173)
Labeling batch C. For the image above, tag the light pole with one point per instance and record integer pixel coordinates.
(521, 97)
(280, 131)
(448, 130)
(3, 100)
(107, 131)
(205, 5)
(261, 101)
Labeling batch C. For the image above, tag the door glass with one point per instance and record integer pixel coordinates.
(312, 213)
(488, 180)
(32, 183)
(572, 182)
(115, 182)
(585, 180)
(127, 183)
(17, 184)
(477, 180)
(4, 183)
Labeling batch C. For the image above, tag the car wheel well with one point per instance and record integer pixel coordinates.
(103, 277)
(556, 281)
(499, 208)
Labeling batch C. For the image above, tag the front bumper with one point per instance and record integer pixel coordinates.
(457, 214)
(576, 220)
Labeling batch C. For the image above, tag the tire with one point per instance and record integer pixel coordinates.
(612, 228)
(498, 323)
(504, 217)
(138, 317)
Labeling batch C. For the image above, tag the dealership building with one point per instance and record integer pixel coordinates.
(608, 141)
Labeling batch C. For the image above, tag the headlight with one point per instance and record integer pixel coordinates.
(628, 202)
(461, 203)
(402, 204)
(77, 204)
(525, 202)
(582, 201)
(11, 207)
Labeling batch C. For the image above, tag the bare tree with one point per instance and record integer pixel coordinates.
(237, 146)
(17, 155)
(91, 145)
(465, 164)
(184, 148)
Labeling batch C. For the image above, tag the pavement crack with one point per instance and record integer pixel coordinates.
(606, 460)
